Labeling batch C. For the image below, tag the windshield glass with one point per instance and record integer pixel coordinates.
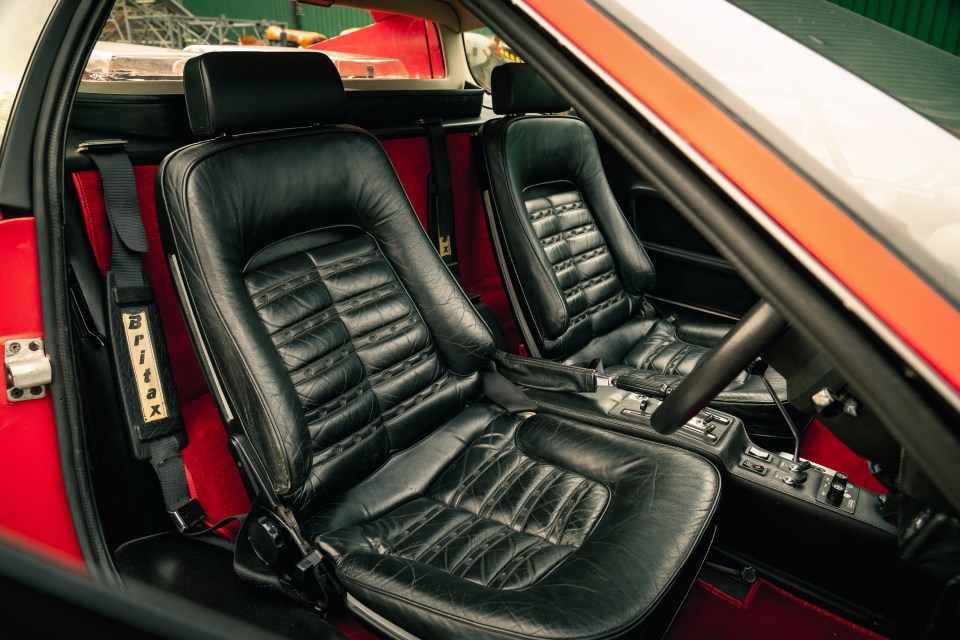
(887, 59)
(878, 141)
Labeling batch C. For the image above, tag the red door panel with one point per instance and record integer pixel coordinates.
(33, 501)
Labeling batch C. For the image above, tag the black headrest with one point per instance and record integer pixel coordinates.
(242, 91)
(517, 88)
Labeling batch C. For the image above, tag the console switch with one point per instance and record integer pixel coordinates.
(759, 454)
(836, 491)
(710, 417)
(837, 488)
(753, 466)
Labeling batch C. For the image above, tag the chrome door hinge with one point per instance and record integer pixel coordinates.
(26, 369)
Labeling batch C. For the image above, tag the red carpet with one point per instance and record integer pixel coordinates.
(350, 627)
(821, 446)
(766, 612)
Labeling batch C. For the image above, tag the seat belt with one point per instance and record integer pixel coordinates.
(440, 218)
(503, 382)
(140, 358)
(152, 412)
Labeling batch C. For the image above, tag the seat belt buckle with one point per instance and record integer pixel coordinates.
(188, 515)
(606, 380)
(312, 574)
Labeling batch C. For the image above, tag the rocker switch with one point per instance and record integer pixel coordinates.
(753, 466)
(759, 454)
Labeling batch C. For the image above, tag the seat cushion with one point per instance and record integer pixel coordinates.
(494, 519)
(665, 353)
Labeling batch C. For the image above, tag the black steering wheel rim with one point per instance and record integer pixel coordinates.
(747, 340)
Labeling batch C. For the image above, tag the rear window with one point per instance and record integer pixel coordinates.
(152, 41)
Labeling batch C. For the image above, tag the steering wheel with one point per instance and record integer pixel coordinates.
(747, 340)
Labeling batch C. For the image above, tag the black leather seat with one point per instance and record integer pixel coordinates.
(350, 357)
(579, 268)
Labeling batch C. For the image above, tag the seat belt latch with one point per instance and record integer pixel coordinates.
(188, 515)
(606, 380)
(312, 573)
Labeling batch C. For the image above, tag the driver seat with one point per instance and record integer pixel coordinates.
(349, 360)
(581, 273)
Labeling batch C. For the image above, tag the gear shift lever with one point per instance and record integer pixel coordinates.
(798, 467)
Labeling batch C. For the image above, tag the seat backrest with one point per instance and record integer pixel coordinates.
(335, 330)
(578, 264)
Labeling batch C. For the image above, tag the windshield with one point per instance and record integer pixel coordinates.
(874, 138)
(887, 59)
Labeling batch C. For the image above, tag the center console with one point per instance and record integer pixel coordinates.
(723, 439)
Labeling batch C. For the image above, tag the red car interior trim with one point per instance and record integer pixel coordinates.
(820, 444)
(478, 267)
(33, 503)
(917, 313)
(186, 368)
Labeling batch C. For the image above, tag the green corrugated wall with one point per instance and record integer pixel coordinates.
(328, 21)
(935, 22)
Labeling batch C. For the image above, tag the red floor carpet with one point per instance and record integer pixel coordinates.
(820, 446)
(766, 612)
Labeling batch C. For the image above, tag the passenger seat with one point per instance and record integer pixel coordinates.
(349, 362)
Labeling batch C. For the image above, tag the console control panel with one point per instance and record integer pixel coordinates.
(837, 492)
(832, 488)
(708, 426)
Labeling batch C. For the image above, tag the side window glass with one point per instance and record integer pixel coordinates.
(486, 51)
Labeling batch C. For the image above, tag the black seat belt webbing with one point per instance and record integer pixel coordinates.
(440, 214)
(168, 463)
(120, 198)
(140, 357)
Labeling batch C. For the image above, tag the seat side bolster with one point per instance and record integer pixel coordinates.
(703, 334)
(636, 270)
(540, 290)
(460, 334)
(219, 295)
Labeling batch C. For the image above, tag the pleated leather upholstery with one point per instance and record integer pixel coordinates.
(582, 273)
(358, 353)
(350, 357)
(542, 526)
